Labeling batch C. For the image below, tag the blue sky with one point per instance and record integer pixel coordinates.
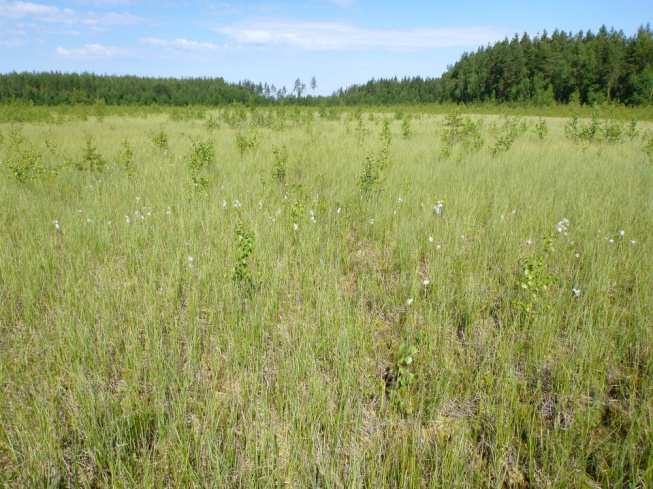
(340, 42)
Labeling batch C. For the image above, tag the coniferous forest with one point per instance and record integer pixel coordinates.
(560, 67)
(73, 88)
(588, 68)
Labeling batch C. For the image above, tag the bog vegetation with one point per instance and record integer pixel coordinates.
(325, 298)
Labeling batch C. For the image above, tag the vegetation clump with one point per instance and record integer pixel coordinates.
(541, 129)
(202, 157)
(460, 131)
(400, 378)
(91, 159)
(279, 167)
(26, 165)
(246, 142)
(242, 274)
(160, 140)
(126, 158)
(509, 133)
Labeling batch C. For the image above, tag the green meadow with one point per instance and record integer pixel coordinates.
(332, 298)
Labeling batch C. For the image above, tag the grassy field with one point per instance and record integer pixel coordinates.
(285, 299)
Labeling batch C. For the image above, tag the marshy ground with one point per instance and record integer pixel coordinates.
(273, 298)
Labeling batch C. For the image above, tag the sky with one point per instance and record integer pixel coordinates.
(340, 42)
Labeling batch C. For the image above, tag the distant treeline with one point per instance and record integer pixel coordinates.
(587, 68)
(85, 88)
(558, 68)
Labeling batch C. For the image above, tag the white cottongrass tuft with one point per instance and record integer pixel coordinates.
(563, 226)
(438, 208)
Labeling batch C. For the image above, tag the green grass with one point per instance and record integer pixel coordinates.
(321, 336)
(25, 112)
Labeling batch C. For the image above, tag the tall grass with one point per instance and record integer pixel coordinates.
(482, 319)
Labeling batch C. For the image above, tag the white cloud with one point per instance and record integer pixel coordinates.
(110, 19)
(48, 13)
(181, 44)
(332, 36)
(91, 51)
(39, 11)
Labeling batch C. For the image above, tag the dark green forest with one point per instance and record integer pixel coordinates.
(85, 88)
(560, 67)
(586, 68)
